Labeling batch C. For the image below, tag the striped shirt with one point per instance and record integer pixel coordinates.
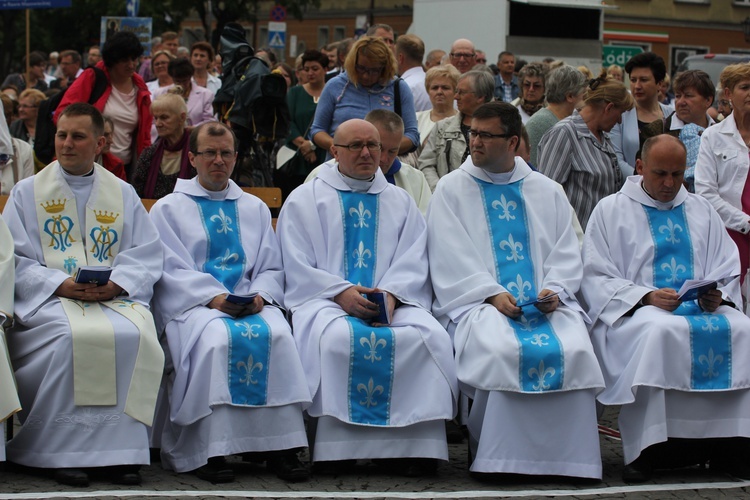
(570, 154)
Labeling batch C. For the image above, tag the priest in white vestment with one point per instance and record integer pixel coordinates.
(391, 130)
(235, 383)
(86, 356)
(680, 369)
(9, 403)
(500, 236)
(380, 391)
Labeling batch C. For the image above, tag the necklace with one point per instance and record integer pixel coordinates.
(316, 98)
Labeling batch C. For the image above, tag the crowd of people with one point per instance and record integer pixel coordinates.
(492, 252)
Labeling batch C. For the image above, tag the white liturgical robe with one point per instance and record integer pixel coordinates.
(55, 431)
(652, 359)
(209, 415)
(397, 410)
(512, 233)
(9, 403)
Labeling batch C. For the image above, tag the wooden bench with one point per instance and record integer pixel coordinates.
(271, 196)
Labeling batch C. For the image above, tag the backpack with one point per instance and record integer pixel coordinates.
(44, 136)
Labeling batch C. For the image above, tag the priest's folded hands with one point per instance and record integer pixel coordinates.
(221, 303)
(90, 292)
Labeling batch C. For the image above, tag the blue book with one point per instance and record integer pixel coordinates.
(693, 289)
(93, 274)
(537, 300)
(381, 299)
(241, 299)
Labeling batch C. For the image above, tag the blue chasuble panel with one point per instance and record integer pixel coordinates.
(372, 349)
(710, 334)
(541, 359)
(249, 346)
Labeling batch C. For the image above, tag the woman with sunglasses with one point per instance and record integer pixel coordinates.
(577, 152)
(367, 83)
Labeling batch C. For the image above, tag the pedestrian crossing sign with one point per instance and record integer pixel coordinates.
(277, 35)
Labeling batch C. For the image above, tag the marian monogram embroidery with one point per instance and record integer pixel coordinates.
(58, 226)
(103, 237)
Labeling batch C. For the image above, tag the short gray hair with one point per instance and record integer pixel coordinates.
(482, 82)
(563, 81)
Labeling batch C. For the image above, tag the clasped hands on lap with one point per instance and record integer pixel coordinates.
(354, 303)
(221, 303)
(668, 299)
(506, 303)
(89, 292)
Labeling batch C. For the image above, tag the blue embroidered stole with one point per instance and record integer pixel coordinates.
(710, 334)
(372, 349)
(249, 346)
(541, 360)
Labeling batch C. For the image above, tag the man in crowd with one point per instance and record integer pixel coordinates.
(391, 130)
(409, 55)
(86, 355)
(506, 83)
(481, 57)
(70, 64)
(434, 58)
(678, 366)
(345, 234)
(37, 67)
(237, 384)
(384, 32)
(94, 56)
(447, 146)
(515, 357)
(463, 56)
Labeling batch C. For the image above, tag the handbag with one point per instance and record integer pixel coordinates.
(285, 155)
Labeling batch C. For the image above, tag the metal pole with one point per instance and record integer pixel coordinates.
(28, 47)
(209, 13)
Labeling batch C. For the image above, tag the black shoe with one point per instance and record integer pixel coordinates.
(215, 471)
(126, 475)
(636, 472)
(288, 467)
(334, 467)
(72, 477)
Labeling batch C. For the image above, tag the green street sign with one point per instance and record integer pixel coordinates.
(618, 54)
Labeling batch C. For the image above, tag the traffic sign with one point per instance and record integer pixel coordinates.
(277, 35)
(278, 13)
(618, 54)
(131, 7)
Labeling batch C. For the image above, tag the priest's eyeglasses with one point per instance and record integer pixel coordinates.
(486, 136)
(210, 154)
(356, 147)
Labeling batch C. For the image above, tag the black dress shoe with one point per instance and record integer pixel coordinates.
(215, 471)
(72, 477)
(636, 472)
(127, 475)
(287, 466)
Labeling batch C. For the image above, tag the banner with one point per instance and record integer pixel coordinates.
(141, 26)
(33, 4)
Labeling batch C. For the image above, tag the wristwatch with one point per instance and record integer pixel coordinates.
(313, 146)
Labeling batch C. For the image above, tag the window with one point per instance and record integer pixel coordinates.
(322, 36)
(339, 33)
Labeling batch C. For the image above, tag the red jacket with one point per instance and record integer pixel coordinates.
(81, 89)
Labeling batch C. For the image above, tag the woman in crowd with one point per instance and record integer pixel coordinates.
(28, 108)
(721, 172)
(106, 159)
(21, 164)
(201, 57)
(159, 64)
(199, 99)
(302, 101)
(165, 161)
(646, 71)
(126, 99)
(577, 152)
(531, 79)
(287, 72)
(440, 82)
(615, 72)
(368, 83)
(694, 94)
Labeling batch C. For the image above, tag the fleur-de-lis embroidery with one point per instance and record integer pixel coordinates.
(224, 220)
(671, 229)
(506, 206)
(711, 323)
(373, 343)
(541, 373)
(370, 391)
(514, 247)
(520, 286)
(70, 264)
(527, 325)
(248, 330)
(710, 361)
(224, 261)
(361, 253)
(538, 339)
(674, 269)
(250, 367)
(361, 213)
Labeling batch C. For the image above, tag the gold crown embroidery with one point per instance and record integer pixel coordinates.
(106, 217)
(54, 208)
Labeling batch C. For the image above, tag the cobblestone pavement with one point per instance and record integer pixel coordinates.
(452, 481)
